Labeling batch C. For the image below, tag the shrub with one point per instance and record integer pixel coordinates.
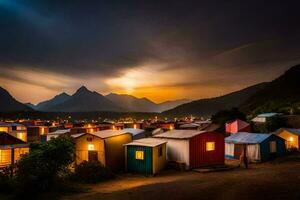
(6, 181)
(91, 172)
(45, 164)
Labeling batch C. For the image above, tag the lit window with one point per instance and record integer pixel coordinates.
(291, 139)
(273, 147)
(139, 155)
(210, 146)
(91, 147)
(134, 126)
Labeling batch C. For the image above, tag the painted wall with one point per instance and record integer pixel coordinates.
(159, 162)
(115, 151)
(82, 144)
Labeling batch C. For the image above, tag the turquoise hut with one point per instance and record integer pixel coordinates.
(145, 156)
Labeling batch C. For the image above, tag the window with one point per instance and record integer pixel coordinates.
(273, 147)
(91, 147)
(139, 155)
(210, 146)
(160, 151)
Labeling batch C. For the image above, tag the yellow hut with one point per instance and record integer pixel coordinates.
(291, 136)
(104, 146)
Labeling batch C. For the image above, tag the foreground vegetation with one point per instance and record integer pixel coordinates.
(49, 167)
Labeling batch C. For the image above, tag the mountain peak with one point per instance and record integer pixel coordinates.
(82, 90)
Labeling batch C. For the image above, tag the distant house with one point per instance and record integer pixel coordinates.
(136, 133)
(189, 126)
(194, 148)
(291, 136)
(57, 133)
(259, 146)
(103, 146)
(146, 156)
(135, 125)
(17, 130)
(264, 117)
(237, 126)
(37, 133)
(11, 149)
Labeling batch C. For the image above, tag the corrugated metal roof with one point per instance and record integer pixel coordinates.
(189, 125)
(179, 134)
(148, 142)
(108, 133)
(267, 114)
(247, 138)
(58, 132)
(133, 131)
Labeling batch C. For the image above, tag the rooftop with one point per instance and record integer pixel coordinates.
(179, 134)
(247, 138)
(148, 142)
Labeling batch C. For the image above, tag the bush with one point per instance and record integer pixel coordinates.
(6, 181)
(91, 172)
(46, 163)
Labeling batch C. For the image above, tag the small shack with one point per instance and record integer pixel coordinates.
(11, 149)
(194, 148)
(259, 146)
(146, 156)
(291, 136)
(237, 126)
(37, 133)
(104, 146)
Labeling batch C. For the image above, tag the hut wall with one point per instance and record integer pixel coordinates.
(140, 166)
(82, 148)
(200, 156)
(159, 161)
(114, 151)
(287, 136)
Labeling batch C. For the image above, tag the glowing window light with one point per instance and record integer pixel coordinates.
(134, 126)
(291, 139)
(139, 155)
(210, 146)
(91, 147)
(171, 127)
(113, 127)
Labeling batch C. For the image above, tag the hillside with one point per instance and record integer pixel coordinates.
(131, 103)
(48, 104)
(207, 107)
(280, 95)
(9, 104)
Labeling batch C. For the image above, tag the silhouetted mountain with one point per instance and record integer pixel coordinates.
(131, 103)
(49, 104)
(84, 100)
(167, 105)
(10, 104)
(207, 107)
(134, 104)
(278, 95)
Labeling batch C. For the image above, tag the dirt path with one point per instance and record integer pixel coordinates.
(279, 179)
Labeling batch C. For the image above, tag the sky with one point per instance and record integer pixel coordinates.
(162, 50)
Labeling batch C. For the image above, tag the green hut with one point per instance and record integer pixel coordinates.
(146, 156)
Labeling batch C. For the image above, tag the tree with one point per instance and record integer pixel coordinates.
(46, 162)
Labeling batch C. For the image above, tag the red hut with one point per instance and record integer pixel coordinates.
(237, 126)
(194, 148)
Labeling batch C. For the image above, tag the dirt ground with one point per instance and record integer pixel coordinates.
(278, 179)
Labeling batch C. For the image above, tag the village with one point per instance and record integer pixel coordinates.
(156, 148)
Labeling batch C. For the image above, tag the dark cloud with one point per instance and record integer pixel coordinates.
(103, 38)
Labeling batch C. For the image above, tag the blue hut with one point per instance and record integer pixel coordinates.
(259, 147)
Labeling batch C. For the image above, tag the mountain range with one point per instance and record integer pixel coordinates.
(283, 92)
(84, 100)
